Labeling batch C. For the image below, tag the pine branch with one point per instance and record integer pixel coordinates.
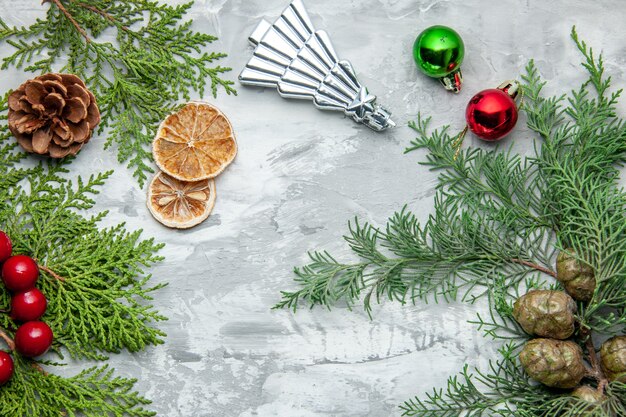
(155, 61)
(98, 293)
(579, 160)
(505, 390)
(452, 255)
(498, 221)
(98, 305)
(479, 178)
(70, 18)
(499, 392)
(577, 179)
(486, 223)
(95, 392)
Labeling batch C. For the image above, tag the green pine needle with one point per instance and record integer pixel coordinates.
(155, 60)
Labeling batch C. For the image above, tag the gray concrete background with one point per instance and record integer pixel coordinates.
(300, 176)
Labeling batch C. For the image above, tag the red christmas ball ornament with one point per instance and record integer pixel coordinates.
(6, 367)
(28, 305)
(33, 339)
(492, 114)
(20, 273)
(6, 247)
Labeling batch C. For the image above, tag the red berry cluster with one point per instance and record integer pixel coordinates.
(33, 338)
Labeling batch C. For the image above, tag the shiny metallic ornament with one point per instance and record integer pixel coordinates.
(492, 114)
(302, 63)
(438, 52)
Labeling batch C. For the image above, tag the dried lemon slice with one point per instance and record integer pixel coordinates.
(195, 143)
(180, 204)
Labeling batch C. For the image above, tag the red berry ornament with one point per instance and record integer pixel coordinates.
(5, 247)
(33, 339)
(20, 273)
(28, 305)
(492, 114)
(6, 367)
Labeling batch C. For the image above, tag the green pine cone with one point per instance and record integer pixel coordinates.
(555, 363)
(613, 358)
(546, 314)
(577, 278)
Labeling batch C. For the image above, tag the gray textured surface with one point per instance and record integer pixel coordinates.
(299, 177)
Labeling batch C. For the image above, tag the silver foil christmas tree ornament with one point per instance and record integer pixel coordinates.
(302, 63)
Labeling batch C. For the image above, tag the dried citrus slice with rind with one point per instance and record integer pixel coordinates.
(180, 204)
(195, 143)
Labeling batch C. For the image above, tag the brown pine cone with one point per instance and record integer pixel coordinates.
(613, 358)
(546, 313)
(53, 114)
(577, 278)
(555, 363)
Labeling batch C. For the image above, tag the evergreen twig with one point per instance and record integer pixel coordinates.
(98, 293)
(155, 61)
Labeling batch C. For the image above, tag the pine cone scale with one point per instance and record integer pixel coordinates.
(14, 101)
(41, 140)
(62, 130)
(55, 86)
(35, 92)
(69, 79)
(54, 104)
(79, 132)
(54, 115)
(93, 113)
(80, 93)
(26, 123)
(27, 107)
(75, 110)
(25, 142)
(61, 142)
(57, 151)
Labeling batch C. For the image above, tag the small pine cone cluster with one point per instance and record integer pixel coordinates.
(550, 316)
(550, 359)
(53, 115)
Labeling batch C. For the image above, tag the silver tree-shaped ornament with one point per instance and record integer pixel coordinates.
(302, 63)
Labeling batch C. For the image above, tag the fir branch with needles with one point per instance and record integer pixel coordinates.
(96, 283)
(499, 221)
(155, 60)
(470, 238)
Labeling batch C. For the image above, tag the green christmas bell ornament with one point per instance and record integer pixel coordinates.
(438, 52)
